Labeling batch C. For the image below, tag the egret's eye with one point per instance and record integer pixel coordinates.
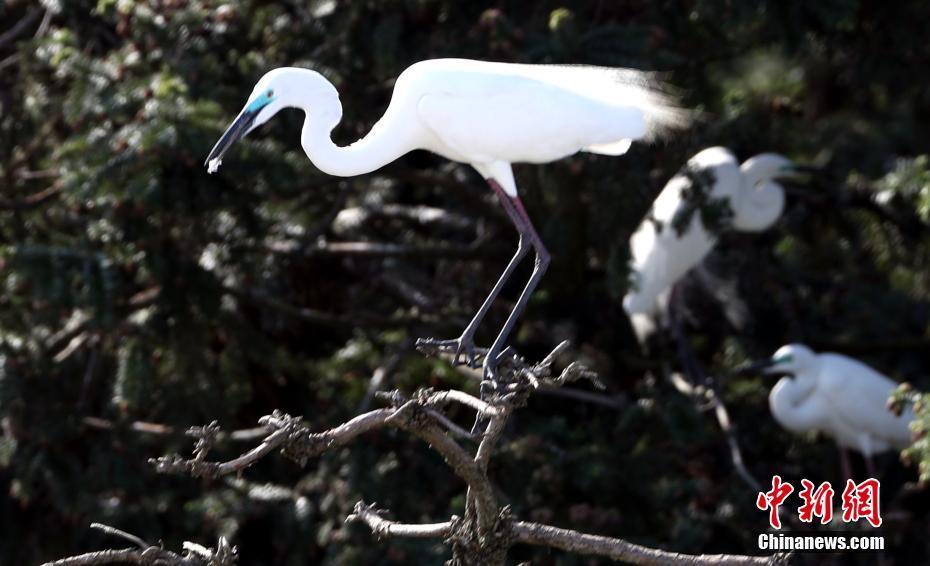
(783, 359)
(270, 93)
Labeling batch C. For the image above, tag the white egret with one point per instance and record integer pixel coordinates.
(838, 396)
(662, 255)
(488, 115)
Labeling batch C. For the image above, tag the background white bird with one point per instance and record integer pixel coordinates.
(838, 396)
(488, 115)
(662, 255)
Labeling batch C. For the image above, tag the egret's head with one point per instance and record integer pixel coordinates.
(762, 199)
(285, 87)
(793, 359)
(767, 167)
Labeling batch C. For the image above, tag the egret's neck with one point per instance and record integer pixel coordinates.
(791, 406)
(382, 145)
(792, 391)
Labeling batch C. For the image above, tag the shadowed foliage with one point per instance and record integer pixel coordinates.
(135, 287)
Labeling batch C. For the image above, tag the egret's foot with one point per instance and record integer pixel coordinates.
(462, 349)
(494, 363)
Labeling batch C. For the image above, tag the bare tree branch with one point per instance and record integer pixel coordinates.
(352, 320)
(485, 533)
(298, 443)
(350, 219)
(19, 27)
(122, 534)
(33, 200)
(702, 387)
(147, 554)
(381, 374)
(157, 429)
(378, 249)
(444, 397)
(383, 528)
(618, 549)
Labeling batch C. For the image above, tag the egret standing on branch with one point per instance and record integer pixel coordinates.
(664, 251)
(838, 396)
(488, 115)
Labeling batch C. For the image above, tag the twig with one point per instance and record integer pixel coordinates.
(619, 549)
(243, 435)
(11, 34)
(736, 455)
(380, 375)
(314, 316)
(125, 556)
(453, 395)
(377, 249)
(113, 531)
(195, 555)
(705, 388)
(349, 219)
(453, 428)
(610, 401)
(383, 528)
(33, 200)
(491, 436)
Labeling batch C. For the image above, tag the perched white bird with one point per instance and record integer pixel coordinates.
(838, 396)
(661, 256)
(488, 115)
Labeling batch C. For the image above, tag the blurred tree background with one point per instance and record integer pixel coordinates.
(135, 287)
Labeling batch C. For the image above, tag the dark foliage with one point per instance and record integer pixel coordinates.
(135, 287)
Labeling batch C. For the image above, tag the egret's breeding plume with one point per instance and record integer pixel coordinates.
(838, 396)
(488, 115)
(673, 238)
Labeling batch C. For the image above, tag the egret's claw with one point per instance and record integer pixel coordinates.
(462, 347)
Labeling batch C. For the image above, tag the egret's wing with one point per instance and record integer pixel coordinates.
(858, 394)
(662, 254)
(606, 86)
(518, 119)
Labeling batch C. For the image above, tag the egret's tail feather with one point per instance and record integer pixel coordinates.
(660, 105)
(630, 87)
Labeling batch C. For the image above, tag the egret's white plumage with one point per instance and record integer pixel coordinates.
(661, 256)
(838, 396)
(479, 113)
(488, 115)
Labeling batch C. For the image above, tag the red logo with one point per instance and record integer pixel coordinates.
(773, 499)
(860, 501)
(817, 503)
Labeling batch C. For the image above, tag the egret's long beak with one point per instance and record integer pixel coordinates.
(759, 366)
(797, 173)
(241, 126)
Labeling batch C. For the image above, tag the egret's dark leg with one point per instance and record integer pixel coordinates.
(522, 221)
(845, 464)
(870, 466)
(465, 344)
(525, 226)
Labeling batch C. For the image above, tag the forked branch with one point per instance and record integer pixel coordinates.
(485, 533)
